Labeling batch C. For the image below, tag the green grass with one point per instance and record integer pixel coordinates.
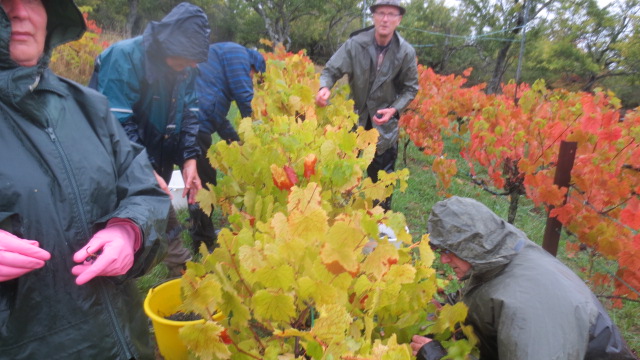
(416, 203)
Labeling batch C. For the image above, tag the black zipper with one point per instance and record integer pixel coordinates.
(87, 233)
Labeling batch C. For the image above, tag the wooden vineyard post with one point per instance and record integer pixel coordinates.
(562, 178)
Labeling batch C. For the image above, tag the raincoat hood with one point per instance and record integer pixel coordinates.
(184, 32)
(257, 60)
(474, 233)
(523, 303)
(64, 24)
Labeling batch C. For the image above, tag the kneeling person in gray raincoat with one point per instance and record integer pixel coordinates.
(523, 302)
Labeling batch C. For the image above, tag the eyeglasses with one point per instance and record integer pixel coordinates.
(440, 250)
(382, 15)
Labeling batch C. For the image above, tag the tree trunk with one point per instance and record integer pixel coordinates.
(498, 71)
(131, 18)
(277, 29)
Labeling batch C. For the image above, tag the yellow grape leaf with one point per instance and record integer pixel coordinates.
(426, 254)
(400, 274)
(362, 285)
(328, 149)
(295, 102)
(233, 304)
(467, 330)
(251, 259)
(204, 340)
(421, 292)
(378, 262)
(280, 225)
(391, 350)
(367, 140)
(377, 190)
(291, 250)
(333, 323)
(207, 200)
(389, 295)
(295, 333)
(281, 277)
(449, 316)
(311, 223)
(273, 306)
(305, 199)
(204, 299)
(319, 292)
(340, 248)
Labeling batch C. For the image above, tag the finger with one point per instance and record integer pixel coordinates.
(26, 248)
(192, 195)
(79, 269)
(15, 260)
(9, 273)
(166, 190)
(88, 271)
(93, 246)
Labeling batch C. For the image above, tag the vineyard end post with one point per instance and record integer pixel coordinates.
(562, 178)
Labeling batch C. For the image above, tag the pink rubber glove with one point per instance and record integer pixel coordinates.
(19, 256)
(110, 252)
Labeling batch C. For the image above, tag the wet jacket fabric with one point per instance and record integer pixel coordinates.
(224, 78)
(157, 106)
(523, 302)
(66, 168)
(394, 85)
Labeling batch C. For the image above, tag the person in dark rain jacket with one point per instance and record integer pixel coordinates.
(383, 77)
(226, 76)
(80, 209)
(150, 83)
(523, 303)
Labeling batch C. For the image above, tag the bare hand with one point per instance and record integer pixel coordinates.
(384, 115)
(163, 184)
(322, 97)
(417, 342)
(191, 179)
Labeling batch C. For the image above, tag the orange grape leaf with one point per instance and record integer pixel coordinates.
(280, 178)
(630, 216)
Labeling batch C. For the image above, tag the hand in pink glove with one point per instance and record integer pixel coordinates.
(19, 256)
(110, 252)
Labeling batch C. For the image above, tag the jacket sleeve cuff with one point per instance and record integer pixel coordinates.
(431, 351)
(132, 228)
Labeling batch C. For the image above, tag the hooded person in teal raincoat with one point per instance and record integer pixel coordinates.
(150, 81)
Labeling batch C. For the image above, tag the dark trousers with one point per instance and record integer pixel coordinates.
(201, 224)
(385, 161)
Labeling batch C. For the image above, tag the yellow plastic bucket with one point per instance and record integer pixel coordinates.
(161, 301)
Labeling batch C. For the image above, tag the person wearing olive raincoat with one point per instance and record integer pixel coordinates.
(382, 69)
(80, 209)
(523, 302)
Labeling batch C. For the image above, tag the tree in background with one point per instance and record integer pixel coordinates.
(588, 47)
(571, 43)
